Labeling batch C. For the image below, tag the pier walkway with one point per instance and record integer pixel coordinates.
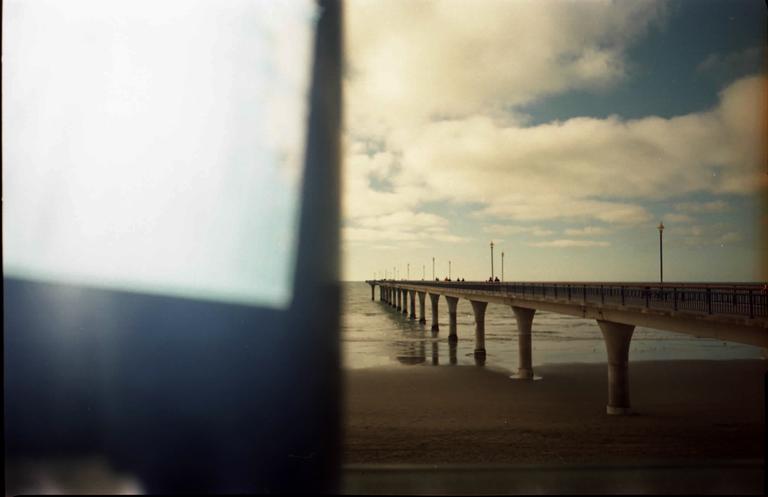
(735, 312)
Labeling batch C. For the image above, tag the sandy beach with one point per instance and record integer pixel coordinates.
(707, 410)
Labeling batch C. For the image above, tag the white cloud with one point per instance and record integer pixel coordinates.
(412, 60)
(700, 235)
(677, 218)
(570, 243)
(703, 207)
(587, 231)
(747, 60)
(503, 229)
(569, 170)
(411, 229)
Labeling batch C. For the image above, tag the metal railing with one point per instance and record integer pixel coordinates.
(738, 299)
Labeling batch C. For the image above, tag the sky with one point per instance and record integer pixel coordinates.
(155, 146)
(563, 131)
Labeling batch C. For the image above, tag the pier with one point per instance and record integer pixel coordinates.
(735, 312)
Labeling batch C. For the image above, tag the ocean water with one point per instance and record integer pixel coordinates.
(375, 334)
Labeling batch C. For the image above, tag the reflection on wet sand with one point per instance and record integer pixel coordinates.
(410, 347)
(479, 359)
(410, 352)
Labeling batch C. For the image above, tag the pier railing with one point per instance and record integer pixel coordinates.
(745, 300)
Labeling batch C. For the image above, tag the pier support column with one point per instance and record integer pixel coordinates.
(412, 297)
(479, 309)
(422, 316)
(435, 299)
(524, 318)
(405, 302)
(373, 292)
(399, 297)
(617, 337)
(452, 301)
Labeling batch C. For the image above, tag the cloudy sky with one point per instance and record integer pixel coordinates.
(563, 131)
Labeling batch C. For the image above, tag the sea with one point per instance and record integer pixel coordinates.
(374, 334)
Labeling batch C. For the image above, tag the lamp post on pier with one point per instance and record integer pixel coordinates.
(433, 268)
(423, 271)
(491, 260)
(502, 266)
(449, 270)
(661, 253)
(408, 277)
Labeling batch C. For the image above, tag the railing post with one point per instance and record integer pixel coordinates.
(602, 295)
(709, 301)
(751, 305)
(569, 291)
(555, 290)
(622, 294)
(647, 296)
(584, 293)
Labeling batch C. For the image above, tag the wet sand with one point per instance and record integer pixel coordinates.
(683, 411)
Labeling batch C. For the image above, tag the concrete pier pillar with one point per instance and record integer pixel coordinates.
(412, 297)
(405, 302)
(399, 297)
(524, 318)
(435, 299)
(452, 301)
(422, 316)
(617, 337)
(373, 292)
(479, 310)
(452, 357)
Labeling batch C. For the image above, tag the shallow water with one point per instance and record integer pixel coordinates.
(375, 334)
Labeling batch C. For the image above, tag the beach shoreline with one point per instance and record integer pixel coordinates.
(688, 410)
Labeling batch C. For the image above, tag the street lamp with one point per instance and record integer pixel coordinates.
(502, 266)
(433, 268)
(423, 271)
(491, 260)
(449, 270)
(409, 272)
(661, 252)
